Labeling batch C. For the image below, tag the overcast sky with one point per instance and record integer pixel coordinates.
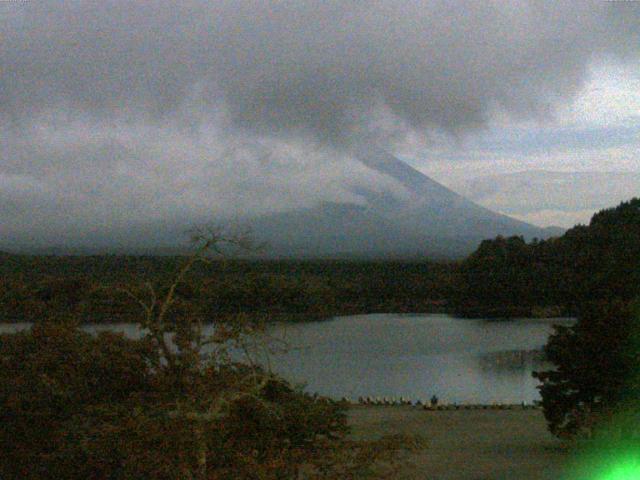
(120, 113)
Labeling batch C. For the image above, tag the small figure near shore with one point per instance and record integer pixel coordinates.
(434, 401)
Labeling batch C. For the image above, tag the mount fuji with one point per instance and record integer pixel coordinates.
(431, 221)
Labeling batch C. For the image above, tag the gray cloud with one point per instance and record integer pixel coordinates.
(112, 112)
(86, 175)
(308, 67)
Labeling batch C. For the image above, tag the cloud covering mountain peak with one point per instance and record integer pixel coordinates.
(114, 113)
(330, 69)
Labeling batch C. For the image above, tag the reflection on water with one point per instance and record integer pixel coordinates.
(514, 360)
(414, 356)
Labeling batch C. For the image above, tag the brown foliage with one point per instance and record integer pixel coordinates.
(175, 404)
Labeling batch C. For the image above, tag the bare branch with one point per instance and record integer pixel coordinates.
(138, 300)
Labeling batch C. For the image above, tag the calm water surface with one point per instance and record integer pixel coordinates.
(415, 356)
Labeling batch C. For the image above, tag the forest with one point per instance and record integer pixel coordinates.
(92, 287)
(507, 277)
(73, 405)
(503, 278)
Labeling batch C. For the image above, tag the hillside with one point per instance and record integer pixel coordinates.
(420, 218)
(508, 277)
(431, 220)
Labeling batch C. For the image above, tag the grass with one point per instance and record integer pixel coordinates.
(468, 444)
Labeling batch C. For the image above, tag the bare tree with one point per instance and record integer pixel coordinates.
(186, 354)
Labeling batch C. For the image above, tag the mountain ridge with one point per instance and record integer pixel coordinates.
(435, 221)
(425, 220)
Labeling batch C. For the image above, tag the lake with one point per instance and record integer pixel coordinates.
(414, 356)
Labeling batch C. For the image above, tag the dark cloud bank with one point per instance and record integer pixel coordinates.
(115, 114)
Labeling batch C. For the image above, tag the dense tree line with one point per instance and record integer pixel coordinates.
(508, 277)
(504, 277)
(92, 287)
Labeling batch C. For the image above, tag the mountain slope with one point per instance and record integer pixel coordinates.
(431, 220)
(417, 217)
(434, 206)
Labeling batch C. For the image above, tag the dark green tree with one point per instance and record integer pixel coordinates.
(597, 369)
(506, 277)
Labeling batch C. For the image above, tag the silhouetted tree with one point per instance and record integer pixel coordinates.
(596, 374)
(507, 277)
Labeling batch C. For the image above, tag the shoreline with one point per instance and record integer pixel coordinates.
(444, 407)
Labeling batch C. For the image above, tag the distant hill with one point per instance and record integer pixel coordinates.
(425, 219)
(506, 277)
(432, 221)
(540, 196)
